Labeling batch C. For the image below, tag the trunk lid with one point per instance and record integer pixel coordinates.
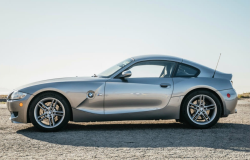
(222, 75)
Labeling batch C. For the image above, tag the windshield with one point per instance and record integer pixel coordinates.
(107, 73)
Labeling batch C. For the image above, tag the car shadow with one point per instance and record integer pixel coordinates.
(222, 136)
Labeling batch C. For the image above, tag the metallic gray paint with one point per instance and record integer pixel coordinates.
(126, 74)
(223, 75)
(170, 112)
(95, 104)
(185, 85)
(136, 95)
(228, 103)
(131, 98)
(157, 57)
(13, 106)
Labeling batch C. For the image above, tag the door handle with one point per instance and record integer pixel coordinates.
(164, 85)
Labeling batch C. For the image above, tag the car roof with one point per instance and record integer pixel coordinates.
(157, 57)
(205, 71)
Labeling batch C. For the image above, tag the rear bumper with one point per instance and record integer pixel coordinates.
(19, 114)
(229, 103)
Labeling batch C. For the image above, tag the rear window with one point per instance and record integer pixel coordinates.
(186, 71)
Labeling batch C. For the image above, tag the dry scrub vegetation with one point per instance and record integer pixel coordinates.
(244, 95)
(3, 96)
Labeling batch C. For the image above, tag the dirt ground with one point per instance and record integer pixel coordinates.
(164, 139)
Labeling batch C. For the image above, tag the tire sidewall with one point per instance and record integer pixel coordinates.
(52, 95)
(184, 112)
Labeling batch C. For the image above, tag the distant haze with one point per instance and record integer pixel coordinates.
(50, 39)
(4, 91)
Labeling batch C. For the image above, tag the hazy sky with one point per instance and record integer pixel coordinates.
(49, 39)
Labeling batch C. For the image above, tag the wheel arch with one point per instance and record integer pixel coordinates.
(206, 89)
(49, 91)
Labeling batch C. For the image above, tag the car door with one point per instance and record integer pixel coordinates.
(148, 89)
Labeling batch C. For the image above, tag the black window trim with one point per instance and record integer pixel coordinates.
(176, 69)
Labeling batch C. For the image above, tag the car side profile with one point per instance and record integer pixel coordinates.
(150, 87)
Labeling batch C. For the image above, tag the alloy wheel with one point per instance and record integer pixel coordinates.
(49, 112)
(202, 109)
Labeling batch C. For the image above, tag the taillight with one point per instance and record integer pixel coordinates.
(228, 95)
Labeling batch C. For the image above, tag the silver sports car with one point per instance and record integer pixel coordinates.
(139, 88)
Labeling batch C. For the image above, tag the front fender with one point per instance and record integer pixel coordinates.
(75, 92)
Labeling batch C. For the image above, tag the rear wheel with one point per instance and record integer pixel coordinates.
(201, 109)
(49, 112)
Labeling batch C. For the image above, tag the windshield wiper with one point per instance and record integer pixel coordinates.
(94, 75)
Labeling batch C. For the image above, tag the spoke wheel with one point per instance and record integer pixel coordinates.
(202, 109)
(49, 112)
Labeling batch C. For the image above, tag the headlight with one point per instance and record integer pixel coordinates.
(17, 95)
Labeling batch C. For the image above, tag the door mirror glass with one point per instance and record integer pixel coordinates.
(125, 74)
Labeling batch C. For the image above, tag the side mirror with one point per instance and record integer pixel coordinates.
(125, 74)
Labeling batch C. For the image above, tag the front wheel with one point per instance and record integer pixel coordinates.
(49, 112)
(201, 109)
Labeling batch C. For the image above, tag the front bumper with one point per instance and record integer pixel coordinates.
(19, 114)
(229, 103)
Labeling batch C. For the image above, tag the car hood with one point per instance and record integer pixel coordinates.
(66, 79)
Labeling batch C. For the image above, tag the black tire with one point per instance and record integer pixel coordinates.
(60, 98)
(184, 109)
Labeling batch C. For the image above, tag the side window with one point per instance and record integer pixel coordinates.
(186, 71)
(152, 69)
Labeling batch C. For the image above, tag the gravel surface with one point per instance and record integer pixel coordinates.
(164, 139)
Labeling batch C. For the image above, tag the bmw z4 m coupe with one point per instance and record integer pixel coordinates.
(148, 87)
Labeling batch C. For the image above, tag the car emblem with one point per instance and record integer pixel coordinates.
(90, 94)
